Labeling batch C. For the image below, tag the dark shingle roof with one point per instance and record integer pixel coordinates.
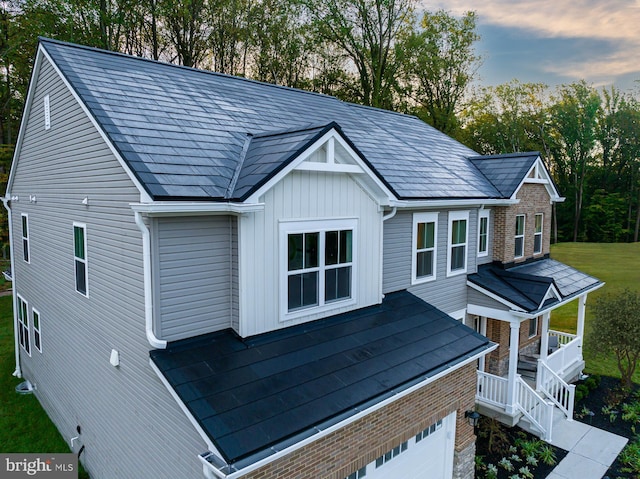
(183, 131)
(506, 172)
(251, 395)
(526, 285)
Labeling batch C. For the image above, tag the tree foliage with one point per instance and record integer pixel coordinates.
(617, 331)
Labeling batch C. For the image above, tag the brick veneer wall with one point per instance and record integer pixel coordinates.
(534, 198)
(344, 451)
(499, 331)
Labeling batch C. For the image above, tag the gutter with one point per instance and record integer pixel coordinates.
(412, 204)
(148, 302)
(168, 208)
(212, 472)
(18, 371)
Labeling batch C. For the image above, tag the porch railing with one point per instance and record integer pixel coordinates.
(556, 389)
(534, 408)
(491, 389)
(566, 355)
(563, 338)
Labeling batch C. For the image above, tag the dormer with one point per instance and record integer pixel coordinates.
(522, 231)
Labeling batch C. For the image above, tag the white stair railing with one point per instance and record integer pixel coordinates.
(556, 389)
(534, 408)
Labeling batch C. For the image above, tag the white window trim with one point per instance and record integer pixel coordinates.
(536, 330)
(321, 226)
(85, 260)
(536, 233)
(34, 311)
(26, 238)
(424, 218)
(524, 230)
(456, 216)
(483, 214)
(24, 324)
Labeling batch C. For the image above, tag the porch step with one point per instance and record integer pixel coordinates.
(526, 425)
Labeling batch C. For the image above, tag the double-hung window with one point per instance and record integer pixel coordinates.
(458, 239)
(23, 325)
(319, 264)
(37, 337)
(425, 235)
(80, 257)
(519, 238)
(533, 327)
(483, 233)
(25, 238)
(537, 238)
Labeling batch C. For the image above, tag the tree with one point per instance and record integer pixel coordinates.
(617, 331)
(442, 66)
(574, 114)
(365, 32)
(185, 24)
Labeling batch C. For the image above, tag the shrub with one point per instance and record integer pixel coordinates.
(582, 391)
(592, 382)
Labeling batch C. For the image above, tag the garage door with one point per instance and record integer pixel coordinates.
(429, 455)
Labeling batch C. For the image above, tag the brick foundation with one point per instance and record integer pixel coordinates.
(339, 454)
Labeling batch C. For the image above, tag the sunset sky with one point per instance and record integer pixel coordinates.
(555, 41)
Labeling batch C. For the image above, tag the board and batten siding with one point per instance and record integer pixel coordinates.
(304, 195)
(448, 294)
(195, 282)
(131, 427)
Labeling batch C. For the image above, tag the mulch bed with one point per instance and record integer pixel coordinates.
(608, 394)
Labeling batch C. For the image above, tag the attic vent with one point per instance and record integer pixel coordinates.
(47, 113)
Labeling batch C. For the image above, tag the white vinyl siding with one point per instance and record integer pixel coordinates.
(37, 330)
(537, 238)
(23, 325)
(483, 233)
(425, 251)
(303, 196)
(47, 112)
(519, 237)
(458, 238)
(80, 258)
(26, 250)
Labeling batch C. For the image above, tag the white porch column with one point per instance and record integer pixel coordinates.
(483, 331)
(514, 347)
(582, 302)
(544, 338)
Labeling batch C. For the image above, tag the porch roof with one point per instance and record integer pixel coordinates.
(256, 396)
(528, 285)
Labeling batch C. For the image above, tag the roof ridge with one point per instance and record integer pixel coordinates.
(518, 154)
(193, 69)
(319, 126)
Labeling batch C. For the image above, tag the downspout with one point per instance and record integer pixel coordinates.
(18, 371)
(148, 303)
(386, 217)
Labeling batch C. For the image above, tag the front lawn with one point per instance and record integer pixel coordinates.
(618, 265)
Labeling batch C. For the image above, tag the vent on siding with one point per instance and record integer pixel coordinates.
(47, 113)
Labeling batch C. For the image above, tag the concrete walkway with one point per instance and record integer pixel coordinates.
(591, 450)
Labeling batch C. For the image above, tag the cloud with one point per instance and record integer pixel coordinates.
(612, 23)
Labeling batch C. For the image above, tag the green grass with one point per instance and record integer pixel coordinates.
(618, 265)
(24, 426)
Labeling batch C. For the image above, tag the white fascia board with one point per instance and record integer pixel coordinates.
(144, 196)
(557, 305)
(452, 203)
(552, 292)
(195, 208)
(494, 296)
(325, 432)
(539, 166)
(339, 168)
(23, 123)
(492, 313)
(184, 408)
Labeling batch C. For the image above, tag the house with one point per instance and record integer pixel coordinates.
(219, 277)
